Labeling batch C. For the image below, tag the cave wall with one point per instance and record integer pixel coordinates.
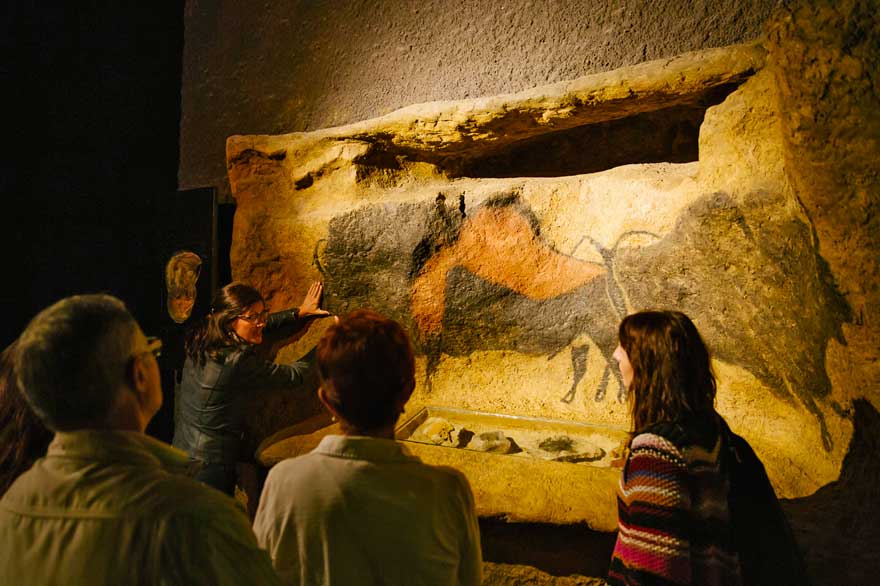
(825, 57)
(290, 66)
(511, 233)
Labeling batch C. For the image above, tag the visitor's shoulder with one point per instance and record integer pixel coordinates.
(653, 461)
(22, 490)
(286, 466)
(652, 444)
(236, 354)
(292, 469)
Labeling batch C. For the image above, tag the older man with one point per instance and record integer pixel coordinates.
(359, 509)
(108, 504)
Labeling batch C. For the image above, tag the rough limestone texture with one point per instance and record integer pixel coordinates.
(512, 285)
(290, 65)
(825, 57)
(495, 574)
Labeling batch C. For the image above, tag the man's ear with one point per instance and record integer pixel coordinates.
(138, 376)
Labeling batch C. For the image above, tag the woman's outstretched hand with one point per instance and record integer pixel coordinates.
(311, 305)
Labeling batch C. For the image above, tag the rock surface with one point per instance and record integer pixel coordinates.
(512, 286)
(493, 442)
(825, 58)
(520, 575)
(297, 66)
(439, 432)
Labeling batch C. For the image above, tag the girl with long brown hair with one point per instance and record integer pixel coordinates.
(23, 437)
(674, 519)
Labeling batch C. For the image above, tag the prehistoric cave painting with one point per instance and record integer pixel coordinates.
(617, 299)
(484, 282)
(501, 243)
(532, 297)
(181, 275)
(504, 319)
(746, 270)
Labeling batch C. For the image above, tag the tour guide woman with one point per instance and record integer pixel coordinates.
(228, 357)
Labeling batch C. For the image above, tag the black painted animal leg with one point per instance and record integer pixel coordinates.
(811, 406)
(432, 351)
(806, 399)
(579, 367)
(603, 385)
(622, 391)
(433, 361)
(316, 257)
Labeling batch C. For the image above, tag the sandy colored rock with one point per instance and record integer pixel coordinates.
(449, 135)
(493, 442)
(299, 66)
(512, 286)
(824, 58)
(438, 431)
(518, 575)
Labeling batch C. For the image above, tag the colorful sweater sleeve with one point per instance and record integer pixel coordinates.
(653, 514)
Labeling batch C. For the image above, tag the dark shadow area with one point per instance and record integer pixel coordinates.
(93, 119)
(665, 135)
(225, 217)
(670, 135)
(838, 527)
(559, 550)
(188, 223)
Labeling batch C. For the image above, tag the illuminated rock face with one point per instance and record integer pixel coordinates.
(511, 234)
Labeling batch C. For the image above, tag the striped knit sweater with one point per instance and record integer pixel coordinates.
(673, 517)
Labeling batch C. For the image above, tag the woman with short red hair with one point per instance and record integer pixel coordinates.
(359, 509)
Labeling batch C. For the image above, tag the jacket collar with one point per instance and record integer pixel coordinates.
(362, 448)
(115, 445)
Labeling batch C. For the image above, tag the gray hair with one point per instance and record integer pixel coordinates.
(73, 357)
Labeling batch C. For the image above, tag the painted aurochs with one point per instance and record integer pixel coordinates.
(466, 280)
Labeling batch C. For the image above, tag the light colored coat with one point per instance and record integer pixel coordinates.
(360, 510)
(109, 507)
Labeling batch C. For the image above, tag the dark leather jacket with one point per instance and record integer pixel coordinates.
(209, 414)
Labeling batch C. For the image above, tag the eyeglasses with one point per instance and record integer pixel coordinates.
(257, 318)
(154, 346)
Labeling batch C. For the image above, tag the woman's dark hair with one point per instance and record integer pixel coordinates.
(367, 369)
(214, 334)
(672, 371)
(23, 437)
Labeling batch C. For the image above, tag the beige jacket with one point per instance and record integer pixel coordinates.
(363, 511)
(111, 507)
